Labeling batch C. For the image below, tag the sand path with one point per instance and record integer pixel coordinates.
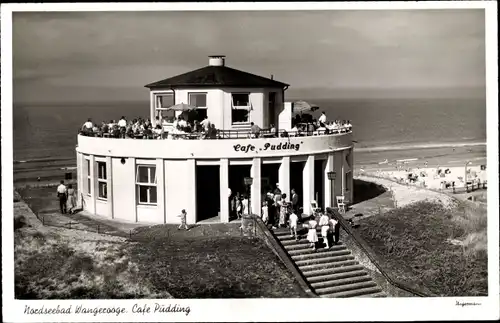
(404, 195)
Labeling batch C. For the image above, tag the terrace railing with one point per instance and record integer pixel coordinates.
(223, 134)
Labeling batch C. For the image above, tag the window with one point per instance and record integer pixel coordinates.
(199, 100)
(89, 179)
(163, 101)
(102, 181)
(240, 112)
(146, 184)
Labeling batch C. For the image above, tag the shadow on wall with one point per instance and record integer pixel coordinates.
(364, 191)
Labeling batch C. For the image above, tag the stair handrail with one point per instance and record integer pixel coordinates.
(284, 257)
(371, 255)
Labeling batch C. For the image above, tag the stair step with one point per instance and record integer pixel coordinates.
(327, 253)
(307, 245)
(293, 241)
(289, 242)
(341, 275)
(348, 287)
(302, 251)
(361, 292)
(333, 271)
(298, 246)
(341, 282)
(324, 260)
(307, 268)
(288, 236)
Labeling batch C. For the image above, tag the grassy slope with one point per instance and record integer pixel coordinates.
(231, 267)
(413, 243)
(49, 266)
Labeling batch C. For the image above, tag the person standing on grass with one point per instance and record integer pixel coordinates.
(62, 194)
(293, 225)
(244, 205)
(239, 206)
(71, 199)
(183, 216)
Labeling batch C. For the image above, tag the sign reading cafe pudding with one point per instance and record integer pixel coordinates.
(268, 147)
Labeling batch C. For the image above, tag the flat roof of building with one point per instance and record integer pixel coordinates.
(217, 76)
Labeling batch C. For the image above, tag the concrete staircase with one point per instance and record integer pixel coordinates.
(330, 272)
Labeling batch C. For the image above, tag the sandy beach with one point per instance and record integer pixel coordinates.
(433, 168)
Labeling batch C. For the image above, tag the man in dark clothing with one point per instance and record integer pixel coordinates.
(295, 200)
(337, 232)
(277, 209)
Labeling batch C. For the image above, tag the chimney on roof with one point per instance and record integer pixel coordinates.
(216, 60)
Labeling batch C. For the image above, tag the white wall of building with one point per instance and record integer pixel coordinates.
(285, 117)
(101, 208)
(180, 190)
(176, 178)
(124, 194)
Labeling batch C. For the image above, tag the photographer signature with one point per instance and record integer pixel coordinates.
(458, 303)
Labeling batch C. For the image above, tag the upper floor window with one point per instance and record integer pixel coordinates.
(240, 112)
(199, 100)
(146, 184)
(162, 102)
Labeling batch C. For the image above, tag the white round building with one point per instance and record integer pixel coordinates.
(151, 181)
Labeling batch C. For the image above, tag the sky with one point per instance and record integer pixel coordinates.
(110, 56)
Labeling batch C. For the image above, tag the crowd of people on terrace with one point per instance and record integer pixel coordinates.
(180, 128)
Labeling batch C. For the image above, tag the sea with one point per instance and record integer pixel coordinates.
(47, 133)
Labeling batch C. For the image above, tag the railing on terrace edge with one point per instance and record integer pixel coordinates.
(452, 190)
(371, 255)
(225, 134)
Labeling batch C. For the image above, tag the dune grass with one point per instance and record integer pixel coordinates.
(442, 251)
(50, 267)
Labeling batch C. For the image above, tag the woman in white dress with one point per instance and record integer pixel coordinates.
(312, 236)
(244, 205)
(325, 226)
(283, 205)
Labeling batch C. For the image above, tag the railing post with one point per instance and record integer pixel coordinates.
(69, 224)
(98, 228)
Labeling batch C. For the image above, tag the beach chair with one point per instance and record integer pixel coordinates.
(341, 204)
